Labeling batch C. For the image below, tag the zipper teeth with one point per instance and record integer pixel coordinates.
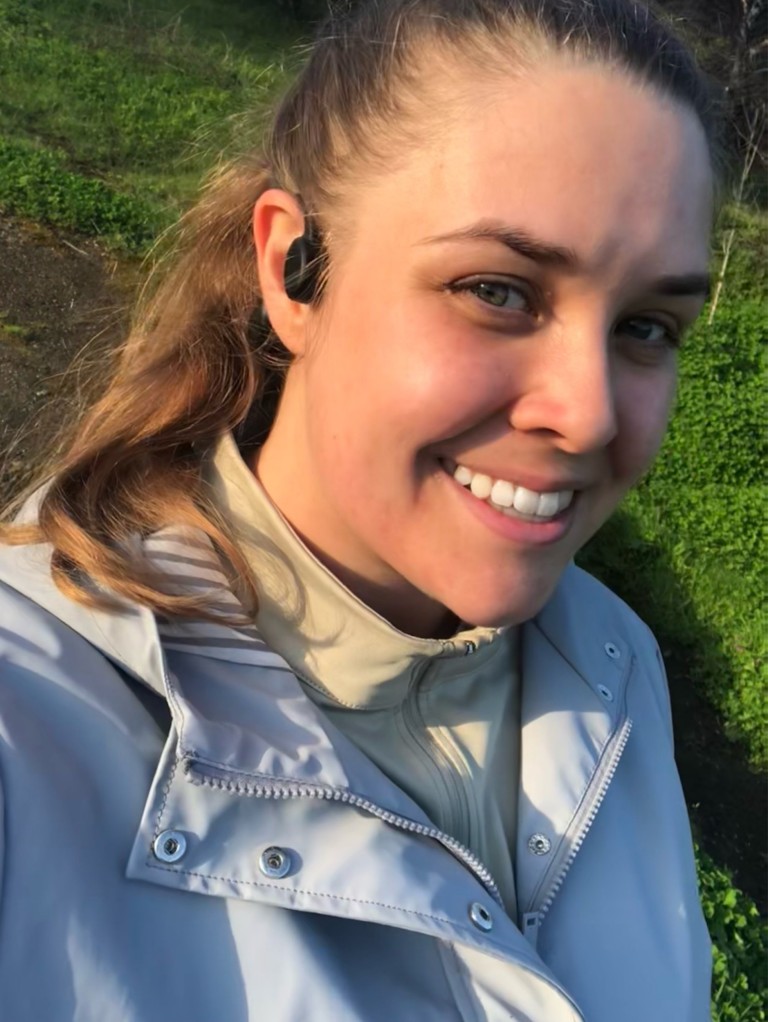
(621, 742)
(285, 791)
(435, 753)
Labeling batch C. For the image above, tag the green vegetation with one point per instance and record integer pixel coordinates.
(37, 184)
(740, 947)
(14, 336)
(110, 113)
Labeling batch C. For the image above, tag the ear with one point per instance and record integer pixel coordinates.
(277, 220)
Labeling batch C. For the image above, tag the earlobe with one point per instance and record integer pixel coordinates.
(278, 224)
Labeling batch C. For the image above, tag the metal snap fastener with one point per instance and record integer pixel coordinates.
(480, 916)
(605, 693)
(613, 651)
(169, 846)
(539, 844)
(275, 862)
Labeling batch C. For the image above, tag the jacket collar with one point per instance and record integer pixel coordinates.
(594, 660)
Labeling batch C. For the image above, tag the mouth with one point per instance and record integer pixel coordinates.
(509, 498)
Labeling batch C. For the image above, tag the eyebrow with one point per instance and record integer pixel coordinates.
(525, 244)
(515, 238)
(686, 284)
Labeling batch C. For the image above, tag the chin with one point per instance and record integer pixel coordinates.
(499, 610)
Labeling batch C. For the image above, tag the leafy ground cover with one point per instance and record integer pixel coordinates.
(110, 113)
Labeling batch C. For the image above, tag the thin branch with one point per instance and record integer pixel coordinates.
(756, 127)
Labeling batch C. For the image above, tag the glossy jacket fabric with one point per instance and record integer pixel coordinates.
(253, 864)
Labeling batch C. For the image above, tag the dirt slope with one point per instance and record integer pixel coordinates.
(56, 295)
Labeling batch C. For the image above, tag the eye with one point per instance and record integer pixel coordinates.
(651, 332)
(503, 295)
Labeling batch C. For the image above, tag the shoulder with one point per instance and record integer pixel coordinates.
(64, 697)
(583, 604)
(54, 681)
(586, 620)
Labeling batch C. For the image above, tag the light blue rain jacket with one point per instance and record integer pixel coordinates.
(252, 864)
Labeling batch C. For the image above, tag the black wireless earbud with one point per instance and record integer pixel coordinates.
(303, 266)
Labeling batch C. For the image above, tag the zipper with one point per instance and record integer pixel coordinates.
(447, 773)
(251, 789)
(222, 782)
(534, 917)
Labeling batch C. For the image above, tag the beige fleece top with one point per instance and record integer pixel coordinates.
(440, 717)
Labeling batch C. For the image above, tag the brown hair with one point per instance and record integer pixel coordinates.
(197, 363)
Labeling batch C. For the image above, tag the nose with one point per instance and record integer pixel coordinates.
(570, 392)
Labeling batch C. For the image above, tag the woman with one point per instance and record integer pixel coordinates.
(307, 713)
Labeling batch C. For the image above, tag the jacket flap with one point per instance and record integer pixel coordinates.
(128, 637)
(574, 697)
(334, 860)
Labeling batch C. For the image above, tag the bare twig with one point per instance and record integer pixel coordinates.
(75, 248)
(756, 126)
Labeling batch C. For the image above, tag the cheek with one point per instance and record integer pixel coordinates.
(394, 377)
(644, 409)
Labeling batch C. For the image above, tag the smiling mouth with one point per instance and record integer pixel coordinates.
(508, 498)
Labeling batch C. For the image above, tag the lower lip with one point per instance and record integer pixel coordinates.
(516, 529)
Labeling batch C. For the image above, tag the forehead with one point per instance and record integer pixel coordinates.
(581, 156)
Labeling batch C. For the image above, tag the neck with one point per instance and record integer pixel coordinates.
(403, 606)
(390, 596)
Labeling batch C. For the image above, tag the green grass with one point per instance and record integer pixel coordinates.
(110, 113)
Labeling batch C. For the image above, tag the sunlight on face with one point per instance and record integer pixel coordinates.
(510, 301)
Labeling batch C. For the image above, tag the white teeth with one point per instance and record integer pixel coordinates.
(503, 493)
(549, 505)
(526, 501)
(481, 486)
(507, 497)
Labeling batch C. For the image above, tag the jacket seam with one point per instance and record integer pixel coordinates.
(304, 890)
(173, 699)
(456, 978)
(191, 755)
(488, 946)
(166, 793)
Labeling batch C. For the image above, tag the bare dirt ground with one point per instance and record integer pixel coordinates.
(57, 293)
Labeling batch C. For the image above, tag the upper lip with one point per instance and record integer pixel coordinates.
(531, 481)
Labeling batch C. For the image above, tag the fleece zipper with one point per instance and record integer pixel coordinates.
(445, 771)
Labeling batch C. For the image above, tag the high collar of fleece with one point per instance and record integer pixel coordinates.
(330, 638)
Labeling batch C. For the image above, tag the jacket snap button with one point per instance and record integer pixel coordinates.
(605, 693)
(169, 846)
(539, 844)
(275, 862)
(613, 651)
(480, 916)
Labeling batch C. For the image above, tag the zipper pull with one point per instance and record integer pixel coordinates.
(531, 923)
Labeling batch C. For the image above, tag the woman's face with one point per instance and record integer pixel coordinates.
(508, 306)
